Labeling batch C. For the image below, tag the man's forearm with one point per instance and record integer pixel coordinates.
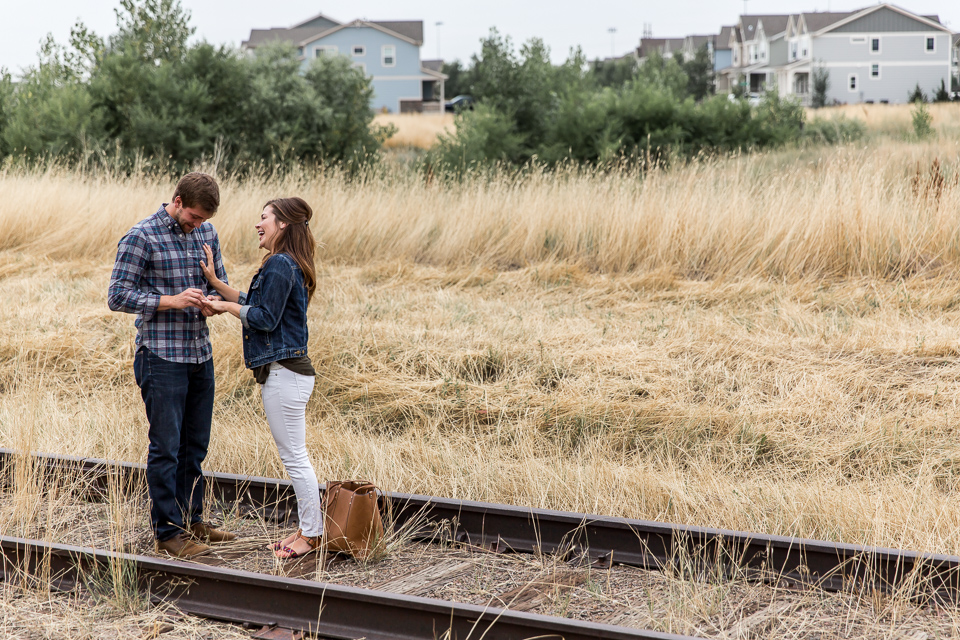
(128, 300)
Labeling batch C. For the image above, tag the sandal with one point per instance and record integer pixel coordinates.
(313, 543)
(276, 545)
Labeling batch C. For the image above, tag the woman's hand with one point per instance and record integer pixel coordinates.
(212, 306)
(209, 272)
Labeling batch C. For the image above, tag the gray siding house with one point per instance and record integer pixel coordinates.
(387, 52)
(758, 47)
(878, 54)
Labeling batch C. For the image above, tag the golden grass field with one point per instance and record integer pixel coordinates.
(415, 129)
(895, 119)
(764, 342)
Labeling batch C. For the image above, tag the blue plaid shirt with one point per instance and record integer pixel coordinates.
(157, 258)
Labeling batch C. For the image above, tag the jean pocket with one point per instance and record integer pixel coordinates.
(304, 387)
(138, 363)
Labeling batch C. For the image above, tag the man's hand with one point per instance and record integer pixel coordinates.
(214, 305)
(207, 310)
(183, 300)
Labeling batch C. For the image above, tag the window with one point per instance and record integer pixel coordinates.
(875, 44)
(359, 50)
(327, 50)
(793, 50)
(362, 66)
(931, 45)
(852, 82)
(388, 55)
(875, 71)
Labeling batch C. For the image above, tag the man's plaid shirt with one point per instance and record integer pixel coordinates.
(157, 258)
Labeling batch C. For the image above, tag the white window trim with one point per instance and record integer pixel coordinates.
(362, 66)
(325, 49)
(383, 55)
(879, 45)
(879, 71)
(856, 83)
(362, 48)
(934, 38)
(858, 39)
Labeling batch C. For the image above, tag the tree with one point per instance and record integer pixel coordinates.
(454, 84)
(155, 30)
(922, 120)
(700, 76)
(666, 74)
(821, 84)
(614, 73)
(942, 95)
(916, 95)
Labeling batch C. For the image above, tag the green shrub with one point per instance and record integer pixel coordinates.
(922, 120)
(483, 137)
(834, 130)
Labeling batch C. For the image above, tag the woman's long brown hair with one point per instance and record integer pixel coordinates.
(296, 239)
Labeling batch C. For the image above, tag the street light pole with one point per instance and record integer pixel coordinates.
(438, 25)
(613, 49)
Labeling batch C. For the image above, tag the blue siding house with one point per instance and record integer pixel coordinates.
(387, 52)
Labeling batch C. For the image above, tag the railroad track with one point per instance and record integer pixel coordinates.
(347, 612)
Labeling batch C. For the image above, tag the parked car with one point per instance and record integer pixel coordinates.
(754, 99)
(459, 104)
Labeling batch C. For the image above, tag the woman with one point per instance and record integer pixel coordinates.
(274, 318)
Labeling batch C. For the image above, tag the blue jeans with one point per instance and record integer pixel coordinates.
(179, 404)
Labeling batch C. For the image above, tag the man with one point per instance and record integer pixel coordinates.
(157, 276)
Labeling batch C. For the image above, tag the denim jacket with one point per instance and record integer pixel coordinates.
(274, 313)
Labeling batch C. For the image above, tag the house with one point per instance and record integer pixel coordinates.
(877, 54)
(758, 48)
(723, 58)
(795, 77)
(956, 59)
(666, 47)
(387, 52)
(692, 44)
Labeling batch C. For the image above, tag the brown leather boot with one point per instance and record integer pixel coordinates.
(182, 546)
(210, 534)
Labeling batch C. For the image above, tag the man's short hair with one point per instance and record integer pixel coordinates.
(198, 190)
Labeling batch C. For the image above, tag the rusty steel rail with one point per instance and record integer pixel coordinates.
(604, 539)
(327, 610)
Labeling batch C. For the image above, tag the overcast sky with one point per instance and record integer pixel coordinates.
(562, 24)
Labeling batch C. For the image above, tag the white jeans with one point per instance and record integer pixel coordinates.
(285, 395)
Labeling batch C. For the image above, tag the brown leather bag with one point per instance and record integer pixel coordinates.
(351, 518)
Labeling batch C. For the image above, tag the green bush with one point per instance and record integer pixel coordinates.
(834, 130)
(483, 137)
(922, 120)
(149, 95)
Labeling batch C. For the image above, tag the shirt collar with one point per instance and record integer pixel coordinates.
(167, 219)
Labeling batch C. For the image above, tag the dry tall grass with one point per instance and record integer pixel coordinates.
(895, 119)
(764, 342)
(415, 129)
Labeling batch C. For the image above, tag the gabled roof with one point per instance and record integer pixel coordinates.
(696, 42)
(935, 24)
(772, 25)
(412, 29)
(723, 40)
(317, 18)
(661, 45)
(261, 36)
(817, 21)
(406, 26)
